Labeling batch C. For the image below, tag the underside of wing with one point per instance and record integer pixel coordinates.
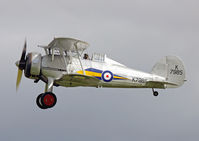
(73, 80)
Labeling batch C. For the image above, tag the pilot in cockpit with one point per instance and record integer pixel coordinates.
(86, 57)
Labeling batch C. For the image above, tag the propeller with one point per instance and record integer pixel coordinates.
(21, 64)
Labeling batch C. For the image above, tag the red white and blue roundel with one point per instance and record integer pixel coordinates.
(107, 76)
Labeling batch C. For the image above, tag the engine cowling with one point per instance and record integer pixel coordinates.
(33, 65)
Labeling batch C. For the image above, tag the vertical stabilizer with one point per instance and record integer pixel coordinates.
(172, 68)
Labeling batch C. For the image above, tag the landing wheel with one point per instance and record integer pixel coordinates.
(48, 100)
(155, 93)
(39, 104)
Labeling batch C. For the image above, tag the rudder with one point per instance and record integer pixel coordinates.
(172, 68)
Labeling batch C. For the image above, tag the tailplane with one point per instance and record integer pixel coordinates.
(172, 68)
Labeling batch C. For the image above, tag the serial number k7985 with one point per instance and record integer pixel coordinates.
(176, 71)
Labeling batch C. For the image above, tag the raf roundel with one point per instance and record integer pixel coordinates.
(107, 76)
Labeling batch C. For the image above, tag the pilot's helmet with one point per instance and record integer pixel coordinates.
(85, 56)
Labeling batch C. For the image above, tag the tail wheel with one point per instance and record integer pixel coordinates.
(39, 104)
(155, 93)
(48, 99)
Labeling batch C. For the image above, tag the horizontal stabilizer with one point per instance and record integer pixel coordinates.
(160, 84)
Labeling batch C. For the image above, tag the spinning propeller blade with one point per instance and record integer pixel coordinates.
(21, 65)
(23, 55)
(19, 78)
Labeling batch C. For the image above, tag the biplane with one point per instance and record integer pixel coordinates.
(66, 64)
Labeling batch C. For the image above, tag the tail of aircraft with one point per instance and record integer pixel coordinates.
(172, 68)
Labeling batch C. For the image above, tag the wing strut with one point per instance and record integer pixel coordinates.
(79, 58)
(62, 54)
(53, 54)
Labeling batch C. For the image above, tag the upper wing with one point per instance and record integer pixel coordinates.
(67, 44)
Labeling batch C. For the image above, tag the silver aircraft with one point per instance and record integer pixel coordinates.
(66, 64)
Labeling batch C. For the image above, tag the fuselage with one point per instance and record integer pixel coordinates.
(108, 73)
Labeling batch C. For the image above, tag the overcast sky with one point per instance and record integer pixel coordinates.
(136, 33)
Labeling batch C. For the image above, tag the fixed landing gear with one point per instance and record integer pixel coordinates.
(155, 93)
(46, 100)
